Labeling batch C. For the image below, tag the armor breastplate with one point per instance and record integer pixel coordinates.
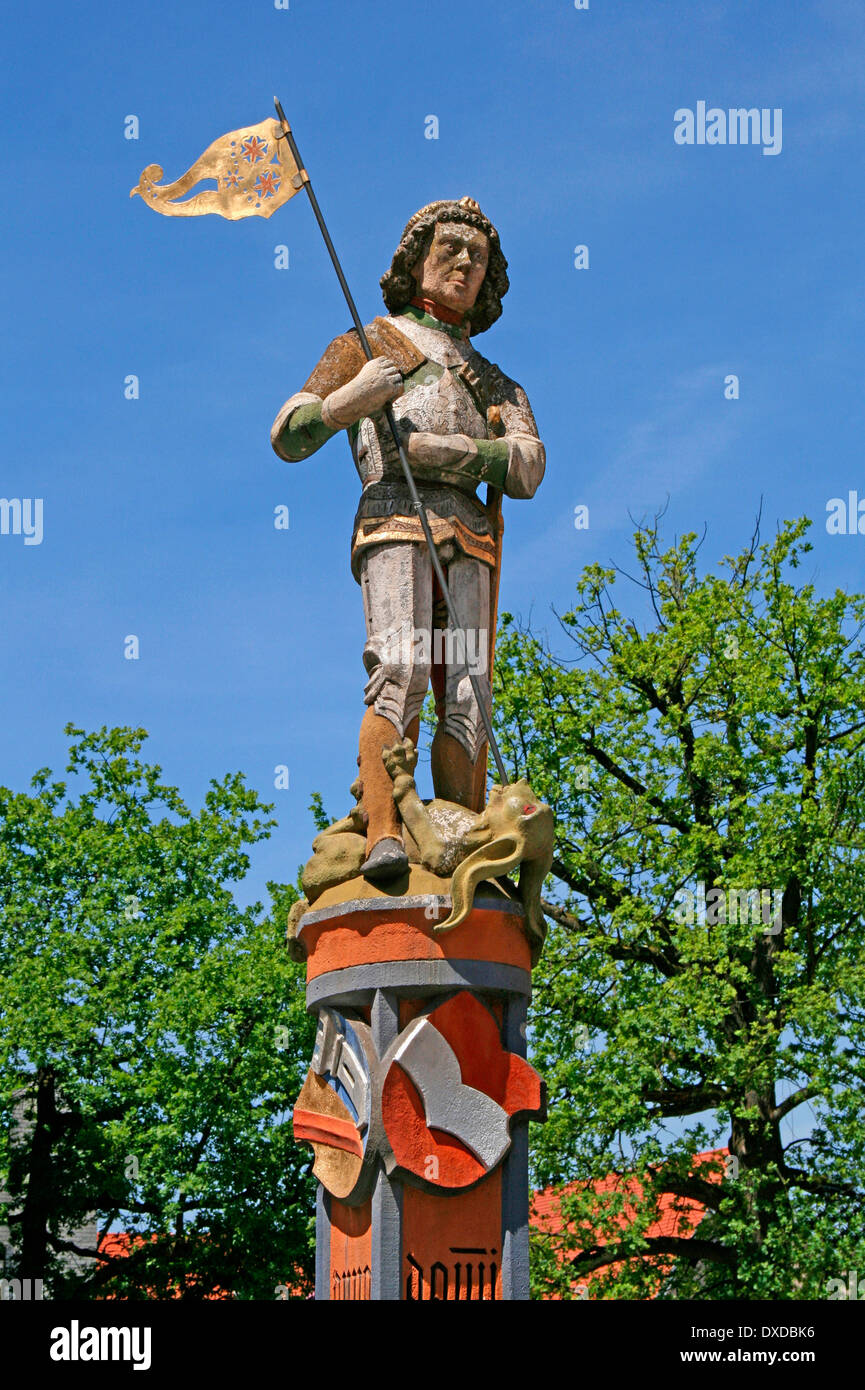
(436, 401)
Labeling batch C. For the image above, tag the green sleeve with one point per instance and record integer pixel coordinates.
(491, 464)
(304, 433)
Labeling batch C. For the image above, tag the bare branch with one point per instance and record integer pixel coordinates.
(684, 1247)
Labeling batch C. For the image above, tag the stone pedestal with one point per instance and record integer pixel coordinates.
(418, 1099)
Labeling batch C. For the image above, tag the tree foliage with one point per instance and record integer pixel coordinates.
(699, 758)
(717, 741)
(151, 1034)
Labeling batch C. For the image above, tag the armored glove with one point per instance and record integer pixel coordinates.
(438, 452)
(377, 384)
(456, 460)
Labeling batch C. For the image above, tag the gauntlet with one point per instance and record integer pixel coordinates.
(377, 384)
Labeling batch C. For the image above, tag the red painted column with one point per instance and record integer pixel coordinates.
(418, 1098)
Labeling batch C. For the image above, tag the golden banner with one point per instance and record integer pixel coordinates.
(253, 170)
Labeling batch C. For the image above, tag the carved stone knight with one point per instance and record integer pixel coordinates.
(462, 422)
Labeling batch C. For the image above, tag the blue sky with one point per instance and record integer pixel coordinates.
(158, 512)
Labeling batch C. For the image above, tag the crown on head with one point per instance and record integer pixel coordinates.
(468, 203)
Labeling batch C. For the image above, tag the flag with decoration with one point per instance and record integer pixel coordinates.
(253, 168)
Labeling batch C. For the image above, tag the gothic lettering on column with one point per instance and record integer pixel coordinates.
(462, 1280)
(351, 1285)
(414, 1281)
(438, 1269)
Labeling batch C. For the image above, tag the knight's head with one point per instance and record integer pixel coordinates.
(449, 253)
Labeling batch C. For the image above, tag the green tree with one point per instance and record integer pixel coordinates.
(152, 1035)
(717, 742)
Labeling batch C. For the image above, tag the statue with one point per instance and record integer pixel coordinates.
(462, 422)
(418, 948)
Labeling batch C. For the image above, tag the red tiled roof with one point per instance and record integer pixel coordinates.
(677, 1216)
(120, 1244)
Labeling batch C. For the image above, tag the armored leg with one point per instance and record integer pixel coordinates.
(396, 583)
(455, 776)
(459, 751)
(383, 821)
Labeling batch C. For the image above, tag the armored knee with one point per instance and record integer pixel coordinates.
(462, 715)
(398, 666)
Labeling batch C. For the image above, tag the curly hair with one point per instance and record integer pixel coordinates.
(398, 285)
